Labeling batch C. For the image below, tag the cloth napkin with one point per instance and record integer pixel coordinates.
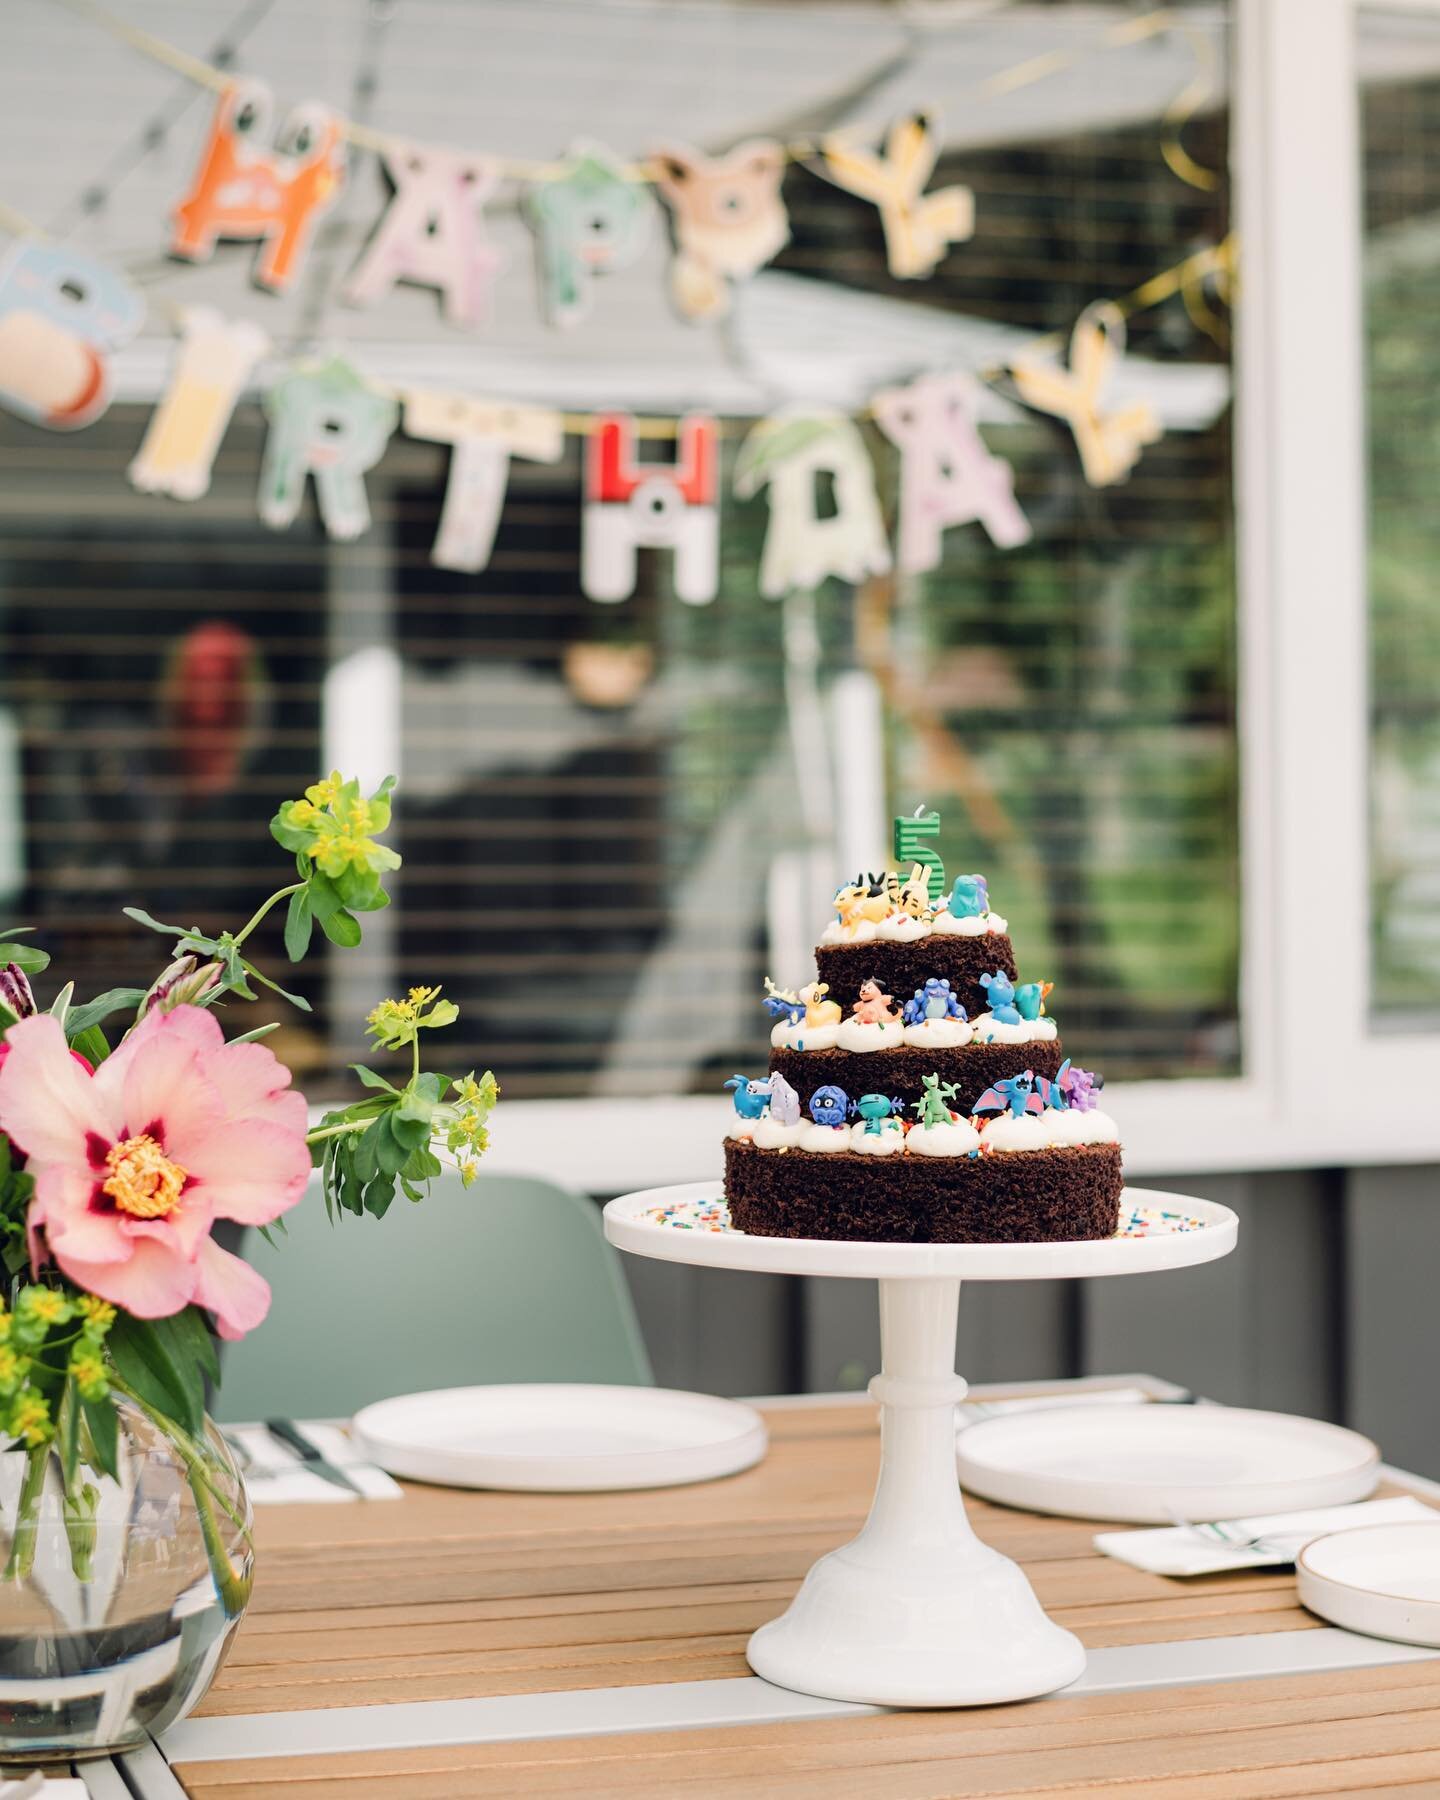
(276, 1476)
(1183, 1550)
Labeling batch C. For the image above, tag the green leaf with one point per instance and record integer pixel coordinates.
(324, 901)
(420, 1099)
(365, 1153)
(379, 1194)
(443, 1012)
(193, 1336)
(260, 1031)
(113, 1000)
(7, 1018)
(104, 1435)
(342, 928)
(92, 1044)
(288, 836)
(298, 925)
(60, 1005)
(141, 917)
(275, 988)
(153, 1357)
(371, 1079)
(14, 931)
(392, 1149)
(359, 888)
(380, 804)
(25, 957)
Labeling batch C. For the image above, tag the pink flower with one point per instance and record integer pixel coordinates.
(134, 1162)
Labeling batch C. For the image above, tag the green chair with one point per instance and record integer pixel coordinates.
(510, 1280)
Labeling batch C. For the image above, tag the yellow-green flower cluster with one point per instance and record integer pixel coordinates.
(394, 1023)
(28, 1357)
(334, 826)
(467, 1135)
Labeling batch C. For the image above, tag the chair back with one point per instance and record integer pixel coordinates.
(509, 1280)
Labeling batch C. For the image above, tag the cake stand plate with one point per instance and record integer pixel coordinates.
(916, 1611)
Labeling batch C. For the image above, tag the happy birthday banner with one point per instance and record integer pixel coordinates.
(64, 314)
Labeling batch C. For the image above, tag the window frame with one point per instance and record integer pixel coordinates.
(1303, 702)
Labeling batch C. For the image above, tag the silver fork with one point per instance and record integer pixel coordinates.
(1234, 1537)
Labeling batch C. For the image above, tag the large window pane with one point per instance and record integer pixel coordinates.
(617, 819)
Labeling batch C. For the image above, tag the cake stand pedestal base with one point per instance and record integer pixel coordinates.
(916, 1611)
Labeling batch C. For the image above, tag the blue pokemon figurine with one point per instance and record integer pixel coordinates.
(933, 1001)
(783, 1003)
(875, 1109)
(1056, 1094)
(1030, 998)
(1015, 1095)
(969, 897)
(1000, 992)
(830, 1106)
(751, 1097)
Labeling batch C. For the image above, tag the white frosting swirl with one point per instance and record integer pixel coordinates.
(948, 924)
(1075, 1127)
(990, 1030)
(889, 1139)
(1052, 1129)
(940, 1034)
(770, 1134)
(824, 1137)
(864, 931)
(855, 1035)
(1007, 1133)
(903, 928)
(958, 1138)
(740, 1129)
(804, 1037)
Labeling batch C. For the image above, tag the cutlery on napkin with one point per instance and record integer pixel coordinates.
(310, 1453)
(276, 1475)
(970, 1412)
(1270, 1541)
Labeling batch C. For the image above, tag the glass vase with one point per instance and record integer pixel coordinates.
(119, 1600)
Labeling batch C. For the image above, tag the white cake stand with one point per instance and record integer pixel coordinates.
(916, 1611)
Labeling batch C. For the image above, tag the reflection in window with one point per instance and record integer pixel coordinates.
(1401, 125)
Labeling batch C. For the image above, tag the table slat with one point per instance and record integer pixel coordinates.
(1357, 1730)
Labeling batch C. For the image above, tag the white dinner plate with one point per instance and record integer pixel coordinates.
(569, 1438)
(1383, 1580)
(1152, 1465)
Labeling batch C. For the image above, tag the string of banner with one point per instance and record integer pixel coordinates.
(64, 313)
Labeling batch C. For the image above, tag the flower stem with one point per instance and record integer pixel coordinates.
(274, 900)
(234, 1587)
(192, 1454)
(321, 1132)
(27, 1515)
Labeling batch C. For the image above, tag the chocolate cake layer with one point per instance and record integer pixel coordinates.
(900, 1072)
(901, 968)
(1010, 1197)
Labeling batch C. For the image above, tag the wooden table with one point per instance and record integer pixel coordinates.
(459, 1644)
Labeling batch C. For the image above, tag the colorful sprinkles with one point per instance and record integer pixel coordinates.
(714, 1215)
(692, 1215)
(1155, 1221)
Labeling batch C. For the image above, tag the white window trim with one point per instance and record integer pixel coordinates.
(1311, 1060)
